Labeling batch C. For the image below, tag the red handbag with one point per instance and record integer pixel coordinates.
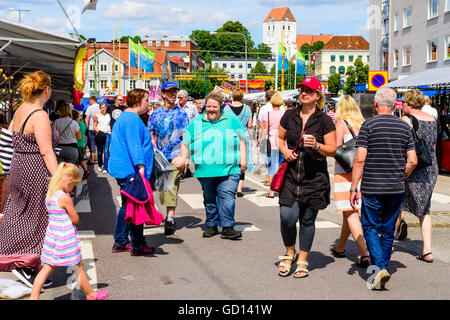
(278, 178)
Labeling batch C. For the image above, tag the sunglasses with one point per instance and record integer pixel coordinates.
(307, 91)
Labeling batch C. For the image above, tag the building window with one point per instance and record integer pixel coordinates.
(341, 58)
(250, 66)
(447, 5)
(407, 56)
(407, 17)
(333, 58)
(395, 58)
(116, 67)
(103, 84)
(158, 43)
(289, 27)
(332, 70)
(232, 66)
(432, 50)
(91, 67)
(150, 43)
(232, 76)
(268, 28)
(91, 84)
(368, 59)
(342, 70)
(147, 84)
(350, 58)
(166, 43)
(183, 43)
(240, 76)
(103, 67)
(132, 84)
(360, 58)
(241, 66)
(396, 21)
(447, 39)
(433, 8)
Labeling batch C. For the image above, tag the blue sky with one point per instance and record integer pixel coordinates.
(175, 17)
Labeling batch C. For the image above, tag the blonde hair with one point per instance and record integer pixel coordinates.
(214, 96)
(34, 84)
(321, 101)
(348, 109)
(276, 100)
(415, 99)
(64, 169)
(65, 110)
(237, 95)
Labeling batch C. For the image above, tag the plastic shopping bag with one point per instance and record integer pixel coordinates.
(162, 173)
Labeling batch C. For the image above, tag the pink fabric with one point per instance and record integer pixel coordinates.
(140, 212)
(274, 122)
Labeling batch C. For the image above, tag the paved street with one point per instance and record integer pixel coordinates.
(187, 266)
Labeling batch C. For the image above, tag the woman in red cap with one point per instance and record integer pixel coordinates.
(306, 188)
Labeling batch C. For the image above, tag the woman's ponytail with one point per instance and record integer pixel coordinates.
(34, 84)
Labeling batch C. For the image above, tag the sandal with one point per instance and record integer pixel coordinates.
(269, 196)
(101, 295)
(363, 262)
(302, 270)
(286, 266)
(422, 257)
(336, 253)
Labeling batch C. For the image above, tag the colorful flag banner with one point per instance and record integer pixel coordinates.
(146, 59)
(301, 62)
(282, 58)
(134, 53)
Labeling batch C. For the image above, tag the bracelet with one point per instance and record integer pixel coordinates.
(318, 146)
(356, 190)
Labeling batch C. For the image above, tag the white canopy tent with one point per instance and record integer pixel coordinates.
(433, 78)
(25, 49)
(260, 96)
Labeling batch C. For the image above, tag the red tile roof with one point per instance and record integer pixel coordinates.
(347, 43)
(280, 14)
(311, 38)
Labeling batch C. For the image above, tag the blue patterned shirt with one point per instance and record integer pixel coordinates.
(168, 126)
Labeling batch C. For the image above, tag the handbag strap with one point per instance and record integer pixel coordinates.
(301, 138)
(66, 127)
(350, 128)
(414, 129)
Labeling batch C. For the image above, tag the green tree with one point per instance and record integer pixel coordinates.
(199, 86)
(135, 39)
(258, 70)
(262, 51)
(361, 71)
(334, 83)
(350, 81)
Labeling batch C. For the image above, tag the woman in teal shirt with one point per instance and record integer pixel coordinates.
(217, 143)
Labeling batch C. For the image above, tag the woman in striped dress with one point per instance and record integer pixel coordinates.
(349, 111)
(61, 242)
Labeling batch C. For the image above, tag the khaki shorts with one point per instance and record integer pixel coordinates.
(169, 198)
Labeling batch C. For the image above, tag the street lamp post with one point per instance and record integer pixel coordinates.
(20, 12)
(246, 60)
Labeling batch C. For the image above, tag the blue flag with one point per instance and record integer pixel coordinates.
(146, 59)
(282, 58)
(301, 63)
(134, 53)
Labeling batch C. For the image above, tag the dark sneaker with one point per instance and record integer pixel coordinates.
(210, 232)
(118, 248)
(402, 230)
(143, 251)
(169, 227)
(230, 233)
(26, 275)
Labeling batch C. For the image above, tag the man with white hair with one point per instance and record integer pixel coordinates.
(191, 110)
(385, 157)
(429, 109)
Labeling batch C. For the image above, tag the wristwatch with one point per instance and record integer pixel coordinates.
(356, 190)
(318, 146)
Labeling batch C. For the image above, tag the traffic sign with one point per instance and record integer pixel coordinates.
(377, 79)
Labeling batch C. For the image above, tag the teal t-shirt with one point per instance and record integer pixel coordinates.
(214, 146)
(82, 142)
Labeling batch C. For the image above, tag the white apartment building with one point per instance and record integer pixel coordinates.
(236, 66)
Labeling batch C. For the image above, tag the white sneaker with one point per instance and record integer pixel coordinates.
(104, 171)
(99, 169)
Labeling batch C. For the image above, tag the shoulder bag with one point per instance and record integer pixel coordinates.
(423, 154)
(278, 178)
(345, 154)
(269, 146)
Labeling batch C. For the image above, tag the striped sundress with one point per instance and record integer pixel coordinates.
(61, 243)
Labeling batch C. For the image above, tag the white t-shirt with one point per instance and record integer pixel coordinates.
(67, 129)
(266, 108)
(90, 111)
(104, 122)
(430, 110)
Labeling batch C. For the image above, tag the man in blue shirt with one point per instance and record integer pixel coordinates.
(167, 126)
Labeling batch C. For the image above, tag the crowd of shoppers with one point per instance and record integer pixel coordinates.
(384, 179)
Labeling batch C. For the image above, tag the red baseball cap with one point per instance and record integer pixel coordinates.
(311, 83)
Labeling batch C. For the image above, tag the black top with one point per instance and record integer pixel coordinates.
(115, 112)
(387, 139)
(237, 110)
(307, 180)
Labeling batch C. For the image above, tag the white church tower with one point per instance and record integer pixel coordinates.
(280, 21)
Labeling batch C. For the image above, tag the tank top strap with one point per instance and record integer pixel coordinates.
(26, 120)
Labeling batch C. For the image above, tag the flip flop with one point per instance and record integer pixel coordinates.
(268, 196)
(336, 253)
(422, 258)
(364, 262)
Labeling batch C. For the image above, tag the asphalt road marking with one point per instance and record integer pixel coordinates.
(260, 200)
(324, 225)
(159, 230)
(441, 198)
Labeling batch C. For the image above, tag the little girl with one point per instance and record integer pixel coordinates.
(61, 243)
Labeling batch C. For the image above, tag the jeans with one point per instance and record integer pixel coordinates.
(307, 218)
(104, 149)
(123, 229)
(276, 158)
(68, 154)
(91, 140)
(378, 216)
(219, 194)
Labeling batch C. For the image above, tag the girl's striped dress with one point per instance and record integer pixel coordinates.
(61, 243)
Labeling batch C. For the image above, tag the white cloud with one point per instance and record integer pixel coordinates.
(219, 17)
